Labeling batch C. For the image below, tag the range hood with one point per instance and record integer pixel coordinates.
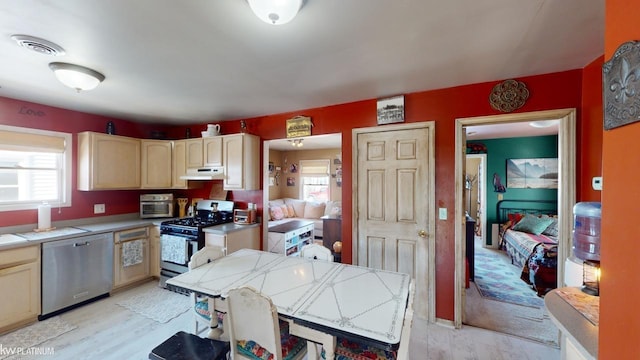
(208, 173)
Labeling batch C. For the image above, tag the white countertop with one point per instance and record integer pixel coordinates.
(227, 228)
(24, 235)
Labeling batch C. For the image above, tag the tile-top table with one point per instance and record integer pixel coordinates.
(326, 298)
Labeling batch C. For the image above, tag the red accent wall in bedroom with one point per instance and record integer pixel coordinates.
(620, 285)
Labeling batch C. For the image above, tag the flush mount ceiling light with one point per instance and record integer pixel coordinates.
(296, 142)
(543, 123)
(275, 12)
(76, 76)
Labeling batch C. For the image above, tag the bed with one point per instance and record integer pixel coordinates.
(529, 234)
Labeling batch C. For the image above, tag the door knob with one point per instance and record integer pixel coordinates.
(422, 233)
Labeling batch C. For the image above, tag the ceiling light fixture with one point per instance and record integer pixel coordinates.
(296, 142)
(76, 76)
(275, 12)
(543, 123)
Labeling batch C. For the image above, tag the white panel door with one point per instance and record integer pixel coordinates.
(393, 197)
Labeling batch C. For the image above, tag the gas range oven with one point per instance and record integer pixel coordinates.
(181, 238)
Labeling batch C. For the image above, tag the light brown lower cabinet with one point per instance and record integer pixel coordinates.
(20, 281)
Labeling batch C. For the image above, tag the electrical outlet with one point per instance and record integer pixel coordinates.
(500, 197)
(442, 213)
(98, 209)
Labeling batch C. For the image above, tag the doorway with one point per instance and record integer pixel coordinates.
(284, 177)
(566, 188)
(475, 193)
(394, 207)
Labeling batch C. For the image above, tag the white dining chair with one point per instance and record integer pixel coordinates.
(203, 305)
(254, 328)
(316, 252)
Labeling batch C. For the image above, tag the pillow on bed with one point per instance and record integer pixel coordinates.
(533, 224)
(514, 219)
(552, 229)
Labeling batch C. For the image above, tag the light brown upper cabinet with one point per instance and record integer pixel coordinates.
(108, 162)
(156, 164)
(241, 158)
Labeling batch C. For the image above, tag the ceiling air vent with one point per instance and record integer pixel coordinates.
(38, 45)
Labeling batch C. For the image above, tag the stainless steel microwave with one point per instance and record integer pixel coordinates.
(156, 206)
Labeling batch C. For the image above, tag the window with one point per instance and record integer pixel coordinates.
(35, 166)
(314, 180)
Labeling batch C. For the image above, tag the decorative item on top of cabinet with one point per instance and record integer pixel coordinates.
(241, 160)
(108, 162)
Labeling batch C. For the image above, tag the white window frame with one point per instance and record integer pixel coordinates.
(321, 163)
(64, 199)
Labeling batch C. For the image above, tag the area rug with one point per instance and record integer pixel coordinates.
(522, 321)
(25, 341)
(157, 304)
(497, 279)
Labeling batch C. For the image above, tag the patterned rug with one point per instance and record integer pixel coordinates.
(497, 279)
(156, 303)
(25, 341)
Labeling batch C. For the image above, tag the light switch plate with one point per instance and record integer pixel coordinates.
(442, 213)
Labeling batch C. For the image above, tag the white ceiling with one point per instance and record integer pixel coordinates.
(196, 61)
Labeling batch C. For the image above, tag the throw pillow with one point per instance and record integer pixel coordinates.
(533, 224)
(552, 229)
(285, 211)
(313, 210)
(276, 213)
(514, 219)
(298, 206)
(291, 211)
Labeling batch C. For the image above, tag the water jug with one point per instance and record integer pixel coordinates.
(586, 230)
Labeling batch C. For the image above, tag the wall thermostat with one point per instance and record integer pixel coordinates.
(597, 183)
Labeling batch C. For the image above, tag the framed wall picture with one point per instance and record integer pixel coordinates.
(291, 181)
(537, 173)
(391, 110)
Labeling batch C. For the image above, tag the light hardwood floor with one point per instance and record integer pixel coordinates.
(106, 330)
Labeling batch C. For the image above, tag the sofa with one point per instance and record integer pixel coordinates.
(287, 209)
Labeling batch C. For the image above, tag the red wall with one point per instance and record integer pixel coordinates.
(589, 135)
(551, 91)
(30, 115)
(620, 286)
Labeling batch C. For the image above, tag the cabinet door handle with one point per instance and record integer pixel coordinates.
(81, 244)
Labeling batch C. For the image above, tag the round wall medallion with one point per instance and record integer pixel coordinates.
(509, 95)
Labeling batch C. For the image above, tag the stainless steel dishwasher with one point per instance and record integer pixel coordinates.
(75, 271)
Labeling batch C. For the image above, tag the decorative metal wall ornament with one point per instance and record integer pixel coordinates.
(509, 95)
(621, 80)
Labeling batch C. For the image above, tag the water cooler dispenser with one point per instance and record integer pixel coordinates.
(586, 230)
(586, 240)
